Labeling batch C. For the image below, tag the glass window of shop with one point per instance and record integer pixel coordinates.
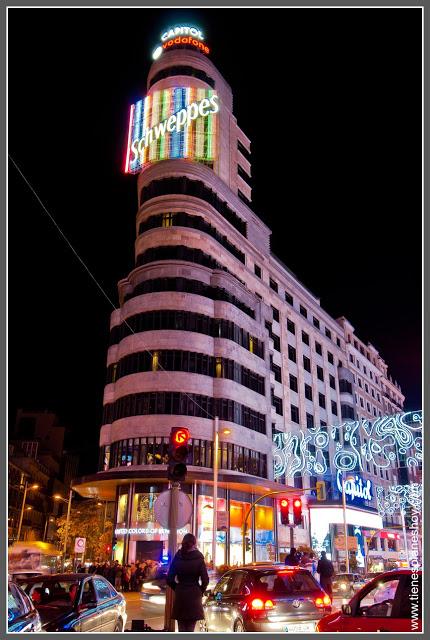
(240, 503)
(264, 532)
(205, 514)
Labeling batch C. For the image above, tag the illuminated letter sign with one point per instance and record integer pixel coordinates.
(172, 123)
(355, 487)
(182, 35)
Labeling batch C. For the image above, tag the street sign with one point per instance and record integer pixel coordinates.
(162, 508)
(80, 544)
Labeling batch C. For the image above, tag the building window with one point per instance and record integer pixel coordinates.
(316, 323)
(295, 414)
(276, 370)
(155, 361)
(275, 314)
(351, 358)
(379, 397)
(361, 402)
(374, 412)
(334, 408)
(303, 311)
(289, 298)
(321, 400)
(330, 357)
(320, 374)
(358, 364)
(257, 270)
(360, 383)
(277, 403)
(356, 344)
(308, 392)
(364, 369)
(328, 333)
(291, 353)
(291, 326)
(371, 375)
(347, 412)
(338, 342)
(368, 407)
(309, 421)
(306, 363)
(372, 392)
(366, 387)
(293, 383)
(305, 337)
(345, 387)
(332, 381)
(273, 285)
(167, 220)
(318, 348)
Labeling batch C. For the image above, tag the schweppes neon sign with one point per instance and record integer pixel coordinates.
(179, 122)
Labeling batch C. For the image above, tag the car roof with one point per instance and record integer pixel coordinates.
(270, 567)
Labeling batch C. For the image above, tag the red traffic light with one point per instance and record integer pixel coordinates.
(297, 511)
(297, 503)
(180, 436)
(108, 548)
(284, 502)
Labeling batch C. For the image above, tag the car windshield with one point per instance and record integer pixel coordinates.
(288, 582)
(53, 593)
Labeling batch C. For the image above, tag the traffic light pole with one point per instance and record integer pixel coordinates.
(169, 624)
(266, 495)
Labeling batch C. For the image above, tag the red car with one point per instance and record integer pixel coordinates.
(389, 602)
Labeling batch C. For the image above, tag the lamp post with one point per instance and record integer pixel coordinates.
(66, 533)
(345, 526)
(24, 498)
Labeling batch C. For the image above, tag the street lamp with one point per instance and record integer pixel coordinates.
(225, 432)
(345, 526)
(66, 533)
(24, 498)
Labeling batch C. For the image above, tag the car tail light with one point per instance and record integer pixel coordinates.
(327, 601)
(257, 604)
(323, 601)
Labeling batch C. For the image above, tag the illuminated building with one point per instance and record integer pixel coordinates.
(210, 323)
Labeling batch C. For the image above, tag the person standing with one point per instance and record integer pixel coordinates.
(187, 569)
(326, 572)
(292, 560)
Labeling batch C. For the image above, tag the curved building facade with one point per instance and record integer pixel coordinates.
(210, 324)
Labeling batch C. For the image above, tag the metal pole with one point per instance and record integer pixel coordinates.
(21, 515)
(67, 529)
(104, 517)
(405, 538)
(169, 624)
(345, 526)
(215, 493)
(46, 527)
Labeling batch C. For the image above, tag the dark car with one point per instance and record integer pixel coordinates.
(346, 584)
(21, 613)
(265, 598)
(390, 602)
(76, 602)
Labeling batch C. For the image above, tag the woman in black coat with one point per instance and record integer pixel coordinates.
(187, 568)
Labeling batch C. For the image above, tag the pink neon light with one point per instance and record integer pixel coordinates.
(127, 160)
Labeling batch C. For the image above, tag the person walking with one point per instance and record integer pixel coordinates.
(326, 571)
(187, 569)
(292, 560)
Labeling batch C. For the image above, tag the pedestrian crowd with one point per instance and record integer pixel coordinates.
(127, 577)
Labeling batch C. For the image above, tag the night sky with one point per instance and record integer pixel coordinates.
(331, 100)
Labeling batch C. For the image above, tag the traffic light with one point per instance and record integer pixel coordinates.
(321, 491)
(284, 505)
(247, 544)
(108, 548)
(178, 454)
(297, 511)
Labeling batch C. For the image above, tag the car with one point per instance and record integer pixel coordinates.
(265, 598)
(346, 584)
(21, 613)
(76, 602)
(390, 602)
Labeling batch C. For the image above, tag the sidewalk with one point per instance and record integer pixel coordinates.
(138, 609)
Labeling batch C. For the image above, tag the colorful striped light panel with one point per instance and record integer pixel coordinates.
(152, 137)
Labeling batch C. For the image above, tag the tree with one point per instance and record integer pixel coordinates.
(86, 521)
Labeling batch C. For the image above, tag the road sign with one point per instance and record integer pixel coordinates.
(80, 544)
(162, 508)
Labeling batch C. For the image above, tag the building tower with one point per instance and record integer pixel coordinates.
(212, 325)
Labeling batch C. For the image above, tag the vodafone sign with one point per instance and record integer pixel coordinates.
(181, 35)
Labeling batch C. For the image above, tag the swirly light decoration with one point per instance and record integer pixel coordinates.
(398, 498)
(381, 442)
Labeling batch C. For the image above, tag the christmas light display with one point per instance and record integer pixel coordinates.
(398, 498)
(179, 122)
(380, 442)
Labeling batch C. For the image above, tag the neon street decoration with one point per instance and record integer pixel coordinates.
(146, 531)
(182, 35)
(355, 487)
(179, 122)
(399, 498)
(377, 442)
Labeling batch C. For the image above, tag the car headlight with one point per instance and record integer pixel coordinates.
(343, 586)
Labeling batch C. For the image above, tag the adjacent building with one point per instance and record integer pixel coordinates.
(211, 323)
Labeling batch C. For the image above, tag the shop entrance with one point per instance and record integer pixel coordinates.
(149, 550)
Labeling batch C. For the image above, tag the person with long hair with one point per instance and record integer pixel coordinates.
(189, 579)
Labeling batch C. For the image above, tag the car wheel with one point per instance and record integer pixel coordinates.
(238, 627)
(203, 627)
(118, 627)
